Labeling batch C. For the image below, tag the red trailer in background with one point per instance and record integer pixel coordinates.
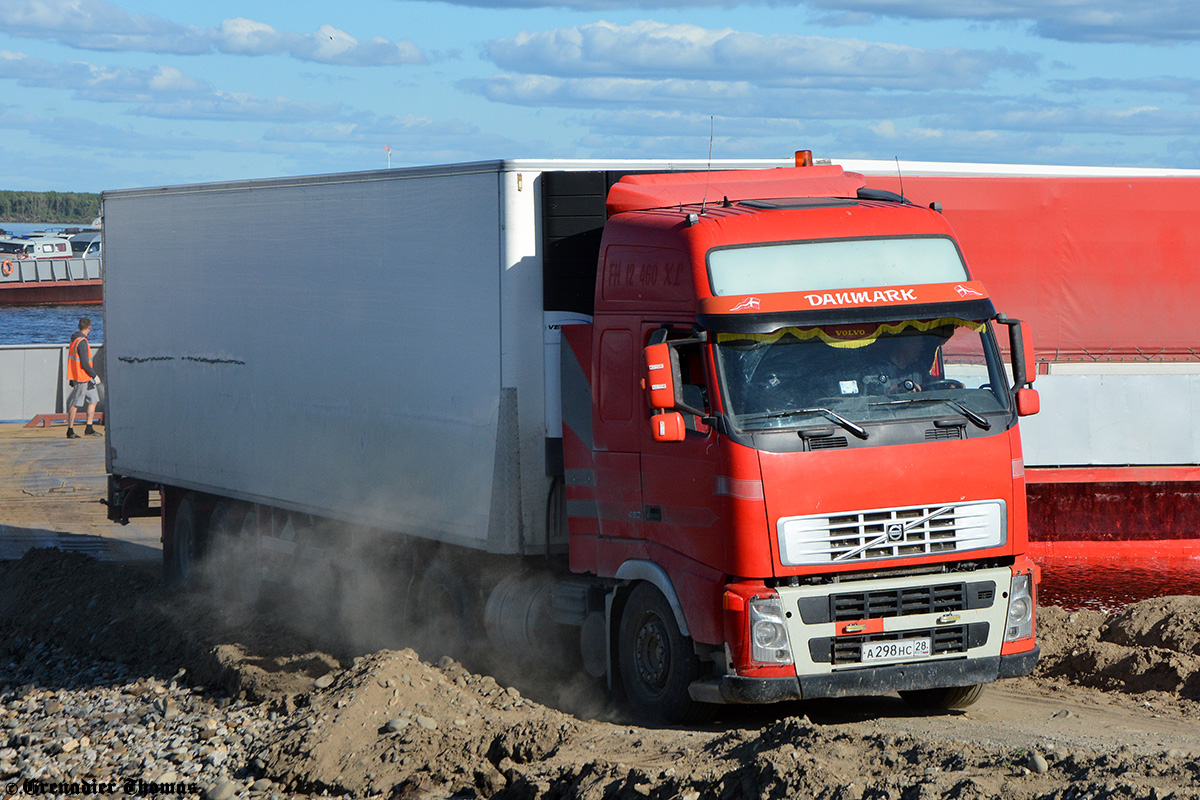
(1105, 267)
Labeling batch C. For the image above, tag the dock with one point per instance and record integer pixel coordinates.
(52, 492)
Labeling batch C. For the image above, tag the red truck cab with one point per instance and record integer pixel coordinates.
(791, 447)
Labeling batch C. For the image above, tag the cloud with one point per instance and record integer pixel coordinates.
(101, 84)
(412, 139)
(329, 45)
(238, 107)
(98, 25)
(160, 91)
(1145, 87)
(648, 49)
(1144, 21)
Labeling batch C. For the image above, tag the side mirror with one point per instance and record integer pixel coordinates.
(1020, 343)
(662, 375)
(668, 427)
(1028, 402)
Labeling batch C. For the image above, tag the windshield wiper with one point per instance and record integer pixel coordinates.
(832, 416)
(957, 406)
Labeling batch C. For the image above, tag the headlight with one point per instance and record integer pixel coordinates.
(768, 632)
(1020, 608)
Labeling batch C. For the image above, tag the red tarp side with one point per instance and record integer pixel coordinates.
(673, 189)
(1095, 264)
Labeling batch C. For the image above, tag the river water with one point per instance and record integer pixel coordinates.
(47, 324)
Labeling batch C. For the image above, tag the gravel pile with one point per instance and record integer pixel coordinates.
(72, 726)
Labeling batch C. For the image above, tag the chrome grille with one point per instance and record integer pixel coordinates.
(877, 534)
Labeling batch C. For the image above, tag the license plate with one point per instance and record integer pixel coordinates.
(896, 649)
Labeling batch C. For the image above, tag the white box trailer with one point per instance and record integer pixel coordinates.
(375, 347)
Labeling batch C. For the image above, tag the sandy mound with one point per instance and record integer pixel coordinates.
(1150, 646)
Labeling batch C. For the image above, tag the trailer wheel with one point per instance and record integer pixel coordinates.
(446, 611)
(948, 698)
(656, 661)
(228, 557)
(186, 544)
(248, 573)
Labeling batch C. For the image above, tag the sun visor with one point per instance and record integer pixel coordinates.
(769, 312)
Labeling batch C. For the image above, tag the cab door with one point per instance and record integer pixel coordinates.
(681, 512)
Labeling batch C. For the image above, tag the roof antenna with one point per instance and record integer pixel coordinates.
(704, 199)
(901, 176)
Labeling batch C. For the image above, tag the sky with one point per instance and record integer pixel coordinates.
(111, 94)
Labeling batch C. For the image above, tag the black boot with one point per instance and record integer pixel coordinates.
(90, 431)
(71, 434)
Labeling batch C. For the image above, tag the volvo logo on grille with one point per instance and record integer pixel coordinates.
(895, 531)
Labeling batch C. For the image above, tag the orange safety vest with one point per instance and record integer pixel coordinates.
(75, 370)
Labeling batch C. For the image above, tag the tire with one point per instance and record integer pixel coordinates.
(949, 698)
(247, 577)
(186, 542)
(446, 612)
(227, 556)
(657, 663)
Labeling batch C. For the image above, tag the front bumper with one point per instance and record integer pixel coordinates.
(867, 681)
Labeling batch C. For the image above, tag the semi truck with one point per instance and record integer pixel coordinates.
(747, 430)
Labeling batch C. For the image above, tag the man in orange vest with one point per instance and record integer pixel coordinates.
(83, 379)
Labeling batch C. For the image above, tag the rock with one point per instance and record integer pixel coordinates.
(396, 724)
(428, 723)
(325, 681)
(261, 785)
(221, 791)
(1037, 763)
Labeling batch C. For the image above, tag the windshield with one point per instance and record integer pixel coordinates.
(863, 373)
(834, 264)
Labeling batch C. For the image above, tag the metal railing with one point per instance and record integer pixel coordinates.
(49, 270)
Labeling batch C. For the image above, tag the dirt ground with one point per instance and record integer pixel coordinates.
(1112, 711)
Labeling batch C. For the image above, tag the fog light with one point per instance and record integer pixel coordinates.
(1020, 608)
(769, 641)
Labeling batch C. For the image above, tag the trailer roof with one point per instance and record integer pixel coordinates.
(865, 166)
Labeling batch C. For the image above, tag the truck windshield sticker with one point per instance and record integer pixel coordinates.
(851, 336)
(827, 266)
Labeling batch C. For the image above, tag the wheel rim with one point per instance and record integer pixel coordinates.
(652, 653)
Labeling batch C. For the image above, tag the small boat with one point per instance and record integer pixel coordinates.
(46, 270)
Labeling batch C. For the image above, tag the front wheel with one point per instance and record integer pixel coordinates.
(949, 698)
(657, 662)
